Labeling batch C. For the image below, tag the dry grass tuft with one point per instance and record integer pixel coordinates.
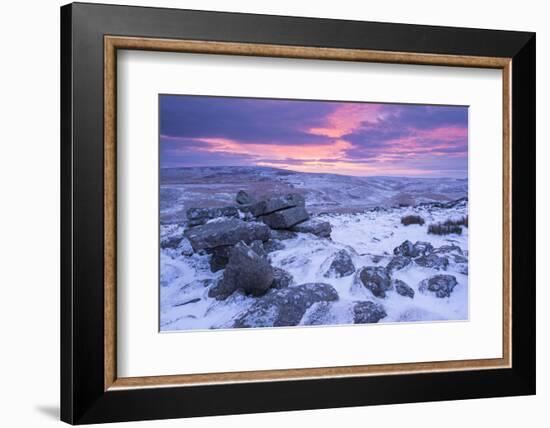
(412, 219)
(463, 221)
(444, 229)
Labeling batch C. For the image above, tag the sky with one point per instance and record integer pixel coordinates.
(361, 139)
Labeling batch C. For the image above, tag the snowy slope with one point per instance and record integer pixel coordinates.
(329, 193)
(369, 235)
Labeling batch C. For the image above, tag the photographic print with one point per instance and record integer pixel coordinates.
(292, 213)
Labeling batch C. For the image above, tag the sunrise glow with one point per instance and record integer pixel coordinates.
(314, 136)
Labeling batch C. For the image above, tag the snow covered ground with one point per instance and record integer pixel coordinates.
(369, 235)
(182, 188)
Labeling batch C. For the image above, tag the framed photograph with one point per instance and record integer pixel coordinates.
(266, 213)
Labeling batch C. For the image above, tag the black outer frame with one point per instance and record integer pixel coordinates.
(83, 399)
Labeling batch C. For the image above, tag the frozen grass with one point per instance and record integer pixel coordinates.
(462, 221)
(443, 229)
(449, 226)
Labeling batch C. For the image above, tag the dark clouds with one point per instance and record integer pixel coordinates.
(314, 136)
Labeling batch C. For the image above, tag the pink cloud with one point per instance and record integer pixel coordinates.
(369, 151)
(347, 118)
(310, 152)
(450, 133)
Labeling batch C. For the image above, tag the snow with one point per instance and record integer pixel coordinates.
(324, 193)
(369, 236)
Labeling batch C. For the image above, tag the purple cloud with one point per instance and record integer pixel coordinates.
(314, 136)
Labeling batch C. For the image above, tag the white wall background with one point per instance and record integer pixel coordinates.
(29, 214)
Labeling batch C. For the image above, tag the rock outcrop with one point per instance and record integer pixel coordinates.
(398, 263)
(247, 271)
(367, 312)
(258, 247)
(286, 307)
(285, 219)
(446, 249)
(271, 205)
(376, 279)
(172, 242)
(275, 219)
(341, 265)
(273, 245)
(243, 198)
(432, 261)
(282, 235)
(320, 313)
(402, 288)
(198, 216)
(440, 285)
(281, 278)
(226, 232)
(219, 257)
(322, 229)
(408, 249)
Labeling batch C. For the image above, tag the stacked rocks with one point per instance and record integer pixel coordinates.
(198, 216)
(283, 213)
(238, 239)
(217, 230)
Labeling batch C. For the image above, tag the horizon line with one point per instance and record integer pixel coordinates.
(304, 172)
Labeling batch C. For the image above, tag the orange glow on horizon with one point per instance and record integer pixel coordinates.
(278, 151)
(340, 156)
(349, 168)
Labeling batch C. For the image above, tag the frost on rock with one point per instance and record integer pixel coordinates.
(316, 227)
(285, 219)
(247, 271)
(408, 249)
(281, 278)
(320, 314)
(172, 242)
(367, 312)
(285, 307)
(398, 263)
(243, 198)
(282, 235)
(447, 249)
(197, 216)
(340, 265)
(278, 203)
(258, 247)
(440, 285)
(402, 288)
(375, 279)
(227, 232)
(432, 261)
(272, 245)
(419, 314)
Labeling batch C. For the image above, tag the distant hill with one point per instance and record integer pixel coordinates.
(209, 186)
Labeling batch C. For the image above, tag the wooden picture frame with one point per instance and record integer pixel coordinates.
(91, 390)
